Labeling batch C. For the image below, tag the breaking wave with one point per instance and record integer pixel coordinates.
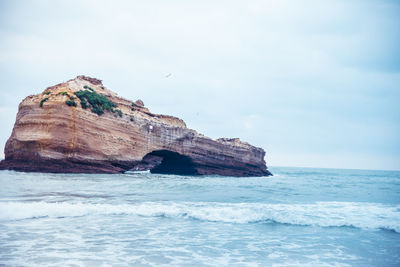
(323, 214)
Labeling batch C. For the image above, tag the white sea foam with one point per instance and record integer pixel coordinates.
(324, 214)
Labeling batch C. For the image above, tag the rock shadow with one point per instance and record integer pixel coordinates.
(167, 162)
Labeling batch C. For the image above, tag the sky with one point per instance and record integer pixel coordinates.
(314, 83)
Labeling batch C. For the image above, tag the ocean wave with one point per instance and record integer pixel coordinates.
(323, 214)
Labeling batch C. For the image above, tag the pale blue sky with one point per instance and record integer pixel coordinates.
(315, 83)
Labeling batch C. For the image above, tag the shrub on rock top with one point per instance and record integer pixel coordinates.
(97, 102)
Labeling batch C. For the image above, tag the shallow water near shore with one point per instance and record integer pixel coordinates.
(298, 217)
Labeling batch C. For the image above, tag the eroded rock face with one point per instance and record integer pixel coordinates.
(51, 136)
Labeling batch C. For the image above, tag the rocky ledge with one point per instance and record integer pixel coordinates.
(80, 126)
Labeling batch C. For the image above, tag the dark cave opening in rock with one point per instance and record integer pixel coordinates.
(168, 162)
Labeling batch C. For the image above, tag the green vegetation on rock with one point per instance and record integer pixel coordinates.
(47, 93)
(84, 103)
(97, 102)
(64, 93)
(90, 88)
(70, 103)
(42, 101)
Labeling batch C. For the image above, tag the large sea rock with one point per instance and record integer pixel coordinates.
(52, 136)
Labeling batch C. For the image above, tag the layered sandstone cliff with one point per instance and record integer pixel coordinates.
(62, 131)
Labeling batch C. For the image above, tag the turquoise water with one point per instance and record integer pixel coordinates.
(299, 217)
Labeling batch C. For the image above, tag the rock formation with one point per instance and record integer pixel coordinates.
(80, 126)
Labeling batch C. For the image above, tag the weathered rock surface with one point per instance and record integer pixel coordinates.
(56, 137)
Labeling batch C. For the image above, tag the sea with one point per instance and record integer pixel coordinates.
(298, 217)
